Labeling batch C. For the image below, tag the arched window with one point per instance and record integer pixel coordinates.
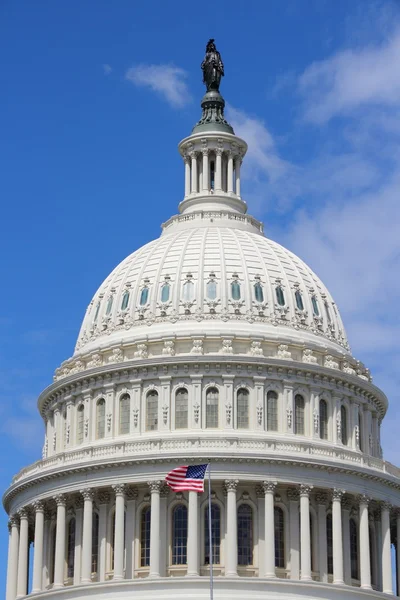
(211, 290)
(280, 297)
(188, 291)
(152, 411)
(95, 543)
(329, 542)
(272, 411)
(258, 292)
(215, 535)
(71, 548)
(242, 409)
(165, 289)
(353, 549)
(97, 312)
(360, 432)
(315, 306)
(144, 296)
(299, 414)
(181, 409)
(125, 300)
(343, 424)
(323, 420)
(279, 531)
(101, 418)
(212, 404)
(124, 414)
(299, 300)
(109, 305)
(145, 537)
(79, 424)
(245, 534)
(179, 535)
(235, 290)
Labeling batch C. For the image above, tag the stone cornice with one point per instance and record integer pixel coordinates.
(298, 372)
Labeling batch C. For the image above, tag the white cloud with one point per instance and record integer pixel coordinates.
(167, 80)
(352, 79)
(107, 69)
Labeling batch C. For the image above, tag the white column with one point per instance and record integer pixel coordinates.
(155, 487)
(103, 500)
(365, 570)
(346, 507)
(293, 497)
(398, 551)
(186, 158)
(269, 489)
(205, 170)
(59, 561)
(131, 496)
(23, 554)
(231, 547)
(238, 162)
(12, 567)
(119, 490)
(386, 550)
(322, 500)
(218, 170)
(305, 541)
(230, 173)
(193, 156)
(193, 563)
(87, 535)
(337, 542)
(38, 547)
(78, 539)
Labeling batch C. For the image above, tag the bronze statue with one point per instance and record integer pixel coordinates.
(212, 67)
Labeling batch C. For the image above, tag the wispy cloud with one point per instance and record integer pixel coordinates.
(166, 80)
(107, 69)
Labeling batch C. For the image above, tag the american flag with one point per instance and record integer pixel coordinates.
(190, 478)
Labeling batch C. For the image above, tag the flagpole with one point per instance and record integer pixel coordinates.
(210, 533)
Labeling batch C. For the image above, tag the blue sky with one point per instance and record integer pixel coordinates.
(95, 97)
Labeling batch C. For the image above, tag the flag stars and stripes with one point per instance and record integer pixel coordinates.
(187, 478)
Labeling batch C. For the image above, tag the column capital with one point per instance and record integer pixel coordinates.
(38, 506)
(363, 499)
(193, 154)
(60, 499)
(155, 486)
(103, 497)
(269, 486)
(219, 151)
(305, 490)
(337, 494)
(23, 513)
(87, 494)
(131, 492)
(205, 151)
(13, 520)
(230, 485)
(385, 505)
(293, 494)
(119, 489)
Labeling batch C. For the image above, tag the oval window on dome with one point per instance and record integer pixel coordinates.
(109, 305)
(125, 300)
(280, 298)
(235, 290)
(144, 296)
(211, 290)
(97, 312)
(188, 291)
(299, 300)
(165, 292)
(315, 306)
(258, 292)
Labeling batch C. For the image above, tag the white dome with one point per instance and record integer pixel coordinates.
(193, 255)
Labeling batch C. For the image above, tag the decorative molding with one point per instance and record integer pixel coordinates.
(293, 494)
(337, 494)
(119, 489)
(155, 486)
(305, 490)
(87, 494)
(60, 499)
(103, 497)
(131, 493)
(269, 487)
(230, 485)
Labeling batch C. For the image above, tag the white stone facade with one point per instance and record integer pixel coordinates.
(215, 344)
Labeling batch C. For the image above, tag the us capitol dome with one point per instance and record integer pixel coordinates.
(210, 344)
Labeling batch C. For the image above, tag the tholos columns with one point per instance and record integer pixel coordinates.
(231, 554)
(192, 541)
(218, 170)
(230, 173)
(12, 569)
(193, 156)
(322, 500)
(365, 569)
(23, 554)
(387, 585)
(38, 547)
(187, 175)
(337, 542)
(87, 535)
(305, 541)
(119, 531)
(131, 494)
(269, 489)
(205, 170)
(59, 560)
(238, 162)
(103, 499)
(155, 487)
